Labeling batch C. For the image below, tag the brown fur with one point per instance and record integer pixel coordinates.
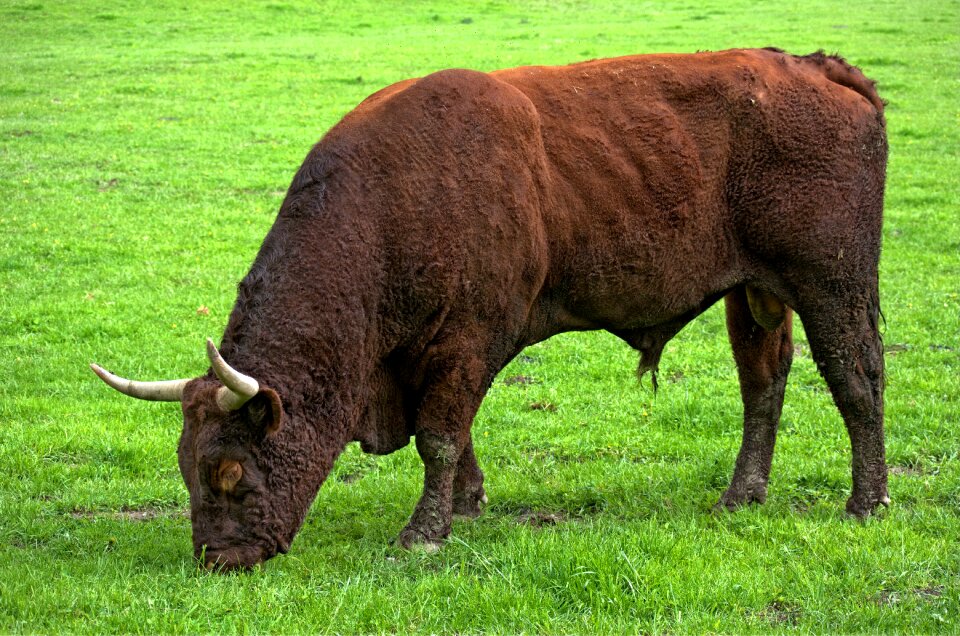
(450, 221)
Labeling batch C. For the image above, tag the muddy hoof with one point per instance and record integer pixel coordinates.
(411, 539)
(469, 505)
(734, 498)
(862, 507)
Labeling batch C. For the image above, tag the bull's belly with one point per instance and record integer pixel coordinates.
(623, 296)
(632, 308)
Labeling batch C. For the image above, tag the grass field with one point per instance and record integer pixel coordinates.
(144, 151)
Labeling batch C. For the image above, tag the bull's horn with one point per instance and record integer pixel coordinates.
(237, 388)
(162, 391)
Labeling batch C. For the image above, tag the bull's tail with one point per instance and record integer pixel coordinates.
(839, 71)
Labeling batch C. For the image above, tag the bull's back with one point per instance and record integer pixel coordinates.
(617, 193)
(668, 172)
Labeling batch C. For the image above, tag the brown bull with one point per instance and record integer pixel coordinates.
(450, 221)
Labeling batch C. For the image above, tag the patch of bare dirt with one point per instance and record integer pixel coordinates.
(926, 593)
(910, 471)
(931, 591)
(780, 613)
(130, 514)
(895, 348)
(541, 518)
(544, 406)
(349, 478)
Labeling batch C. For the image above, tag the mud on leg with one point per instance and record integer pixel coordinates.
(763, 355)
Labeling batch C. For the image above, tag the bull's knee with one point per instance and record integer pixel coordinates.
(441, 450)
(767, 309)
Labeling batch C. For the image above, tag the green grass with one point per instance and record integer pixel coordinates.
(144, 151)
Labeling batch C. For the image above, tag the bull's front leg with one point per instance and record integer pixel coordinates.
(468, 493)
(452, 481)
(431, 520)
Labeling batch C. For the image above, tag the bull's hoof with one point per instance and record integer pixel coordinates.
(862, 507)
(735, 498)
(414, 540)
(469, 504)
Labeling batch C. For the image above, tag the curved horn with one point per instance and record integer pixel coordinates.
(237, 388)
(162, 391)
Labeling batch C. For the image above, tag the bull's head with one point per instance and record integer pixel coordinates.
(240, 515)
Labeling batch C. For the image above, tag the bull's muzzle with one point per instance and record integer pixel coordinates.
(232, 559)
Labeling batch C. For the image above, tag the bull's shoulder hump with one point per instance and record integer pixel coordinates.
(386, 93)
(474, 94)
(465, 83)
(442, 90)
(459, 78)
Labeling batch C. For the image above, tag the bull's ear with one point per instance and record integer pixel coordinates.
(266, 411)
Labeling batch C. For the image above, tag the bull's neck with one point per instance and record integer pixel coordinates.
(306, 337)
(314, 362)
(304, 323)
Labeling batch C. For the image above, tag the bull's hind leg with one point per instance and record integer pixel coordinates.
(845, 343)
(763, 355)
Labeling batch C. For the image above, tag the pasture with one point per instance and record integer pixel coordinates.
(144, 151)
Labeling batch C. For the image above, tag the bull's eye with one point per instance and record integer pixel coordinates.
(228, 475)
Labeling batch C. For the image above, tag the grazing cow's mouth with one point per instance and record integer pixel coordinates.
(237, 558)
(225, 561)
(218, 557)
